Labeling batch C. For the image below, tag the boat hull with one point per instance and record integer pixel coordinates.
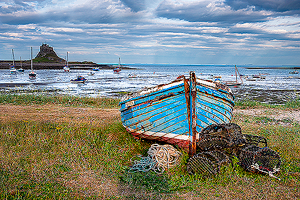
(175, 113)
(32, 75)
(74, 81)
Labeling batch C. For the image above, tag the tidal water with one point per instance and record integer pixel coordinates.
(278, 86)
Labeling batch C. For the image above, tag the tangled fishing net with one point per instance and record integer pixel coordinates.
(220, 136)
(256, 140)
(160, 158)
(207, 163)
(218, 140)
(260, 160)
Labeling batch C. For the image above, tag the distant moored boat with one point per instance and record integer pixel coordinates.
(294, 72)
(21, 69)
(66, 67)
(12, 68)
(118, 68)
(79, 79)
(236, 82)
(32, 74)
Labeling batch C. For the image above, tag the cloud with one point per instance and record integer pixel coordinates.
(157, 30)
(134, 5)
(13, 6)
(209, 11)
(271, 5)
(89, 11)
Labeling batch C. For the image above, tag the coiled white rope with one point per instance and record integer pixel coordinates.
(160, 158)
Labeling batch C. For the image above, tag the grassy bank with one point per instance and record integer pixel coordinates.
(30, 99)
(67, 160)
(293, 104)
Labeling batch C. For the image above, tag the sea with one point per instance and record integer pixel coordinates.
(276, 84)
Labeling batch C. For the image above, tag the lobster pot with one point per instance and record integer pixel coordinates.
(229, 135)
(208, 142)
(257, 159)
(256, 140)
(207, 163)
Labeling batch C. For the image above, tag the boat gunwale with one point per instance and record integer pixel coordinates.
(176, 83)
(221, 97)
(153, 92)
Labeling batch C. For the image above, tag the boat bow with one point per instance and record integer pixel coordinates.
(176, 112)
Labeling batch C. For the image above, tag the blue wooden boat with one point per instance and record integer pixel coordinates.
(176, 112)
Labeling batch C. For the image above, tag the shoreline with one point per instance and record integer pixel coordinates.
(37, 66)
(287, 67)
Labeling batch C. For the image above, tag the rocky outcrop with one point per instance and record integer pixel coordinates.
(47, 54)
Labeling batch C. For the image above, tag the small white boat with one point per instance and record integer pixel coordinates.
(32, 74)
(118, 68)
(236, 82)
(66, 67)
(255, 76)
(91, 73)
(12, 68)
(132, 76)
(21, 69)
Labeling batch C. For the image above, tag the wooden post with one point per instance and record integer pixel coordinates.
(192, 110)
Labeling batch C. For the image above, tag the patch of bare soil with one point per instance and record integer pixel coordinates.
(277, 114)
(56, 113)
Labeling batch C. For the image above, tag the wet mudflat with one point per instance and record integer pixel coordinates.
(275, 86)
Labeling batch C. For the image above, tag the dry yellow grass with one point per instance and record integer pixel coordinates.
(58, 113)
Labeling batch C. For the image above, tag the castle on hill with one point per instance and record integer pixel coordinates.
(47, 54)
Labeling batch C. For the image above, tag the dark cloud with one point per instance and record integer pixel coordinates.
(15, 6)
(10, 9)
(134, 5)
(271, 5)
(20, 5)
(201, 12)
(103, 12)
(261, 35)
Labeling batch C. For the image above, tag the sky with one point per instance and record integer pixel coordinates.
(258, 32)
